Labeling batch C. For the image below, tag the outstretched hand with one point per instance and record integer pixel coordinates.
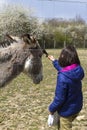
(51, 58)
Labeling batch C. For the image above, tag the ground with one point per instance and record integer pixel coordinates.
(24, 106)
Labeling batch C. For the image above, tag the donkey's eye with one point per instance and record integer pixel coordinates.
(40, 55)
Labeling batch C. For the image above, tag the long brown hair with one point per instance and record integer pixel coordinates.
(68, 56)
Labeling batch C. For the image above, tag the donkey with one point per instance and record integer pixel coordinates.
(21, 54)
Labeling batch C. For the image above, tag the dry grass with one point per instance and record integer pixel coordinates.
(24, 106)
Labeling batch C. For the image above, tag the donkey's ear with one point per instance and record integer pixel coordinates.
(10, 38)
(33, 38)
(27, 38)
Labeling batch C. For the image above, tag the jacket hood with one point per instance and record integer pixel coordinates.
(75, 74)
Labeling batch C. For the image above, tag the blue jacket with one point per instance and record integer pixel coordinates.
(68, 99)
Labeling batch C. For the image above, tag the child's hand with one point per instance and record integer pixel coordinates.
(51, 58)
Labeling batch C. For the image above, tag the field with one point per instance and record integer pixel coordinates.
(24, 106)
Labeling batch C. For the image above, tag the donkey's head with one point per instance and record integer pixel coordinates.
(33, 63)
(23, 54)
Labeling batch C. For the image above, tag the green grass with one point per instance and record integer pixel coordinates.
(24, 106)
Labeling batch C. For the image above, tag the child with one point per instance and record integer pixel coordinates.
(68, 98)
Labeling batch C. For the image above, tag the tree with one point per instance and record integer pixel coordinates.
(16, 20)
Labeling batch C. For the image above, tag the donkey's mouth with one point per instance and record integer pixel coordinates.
(37, 79)
(36, 82)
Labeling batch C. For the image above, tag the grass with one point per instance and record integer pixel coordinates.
(24, 106)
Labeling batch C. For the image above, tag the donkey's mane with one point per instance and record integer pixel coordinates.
(5, 44)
